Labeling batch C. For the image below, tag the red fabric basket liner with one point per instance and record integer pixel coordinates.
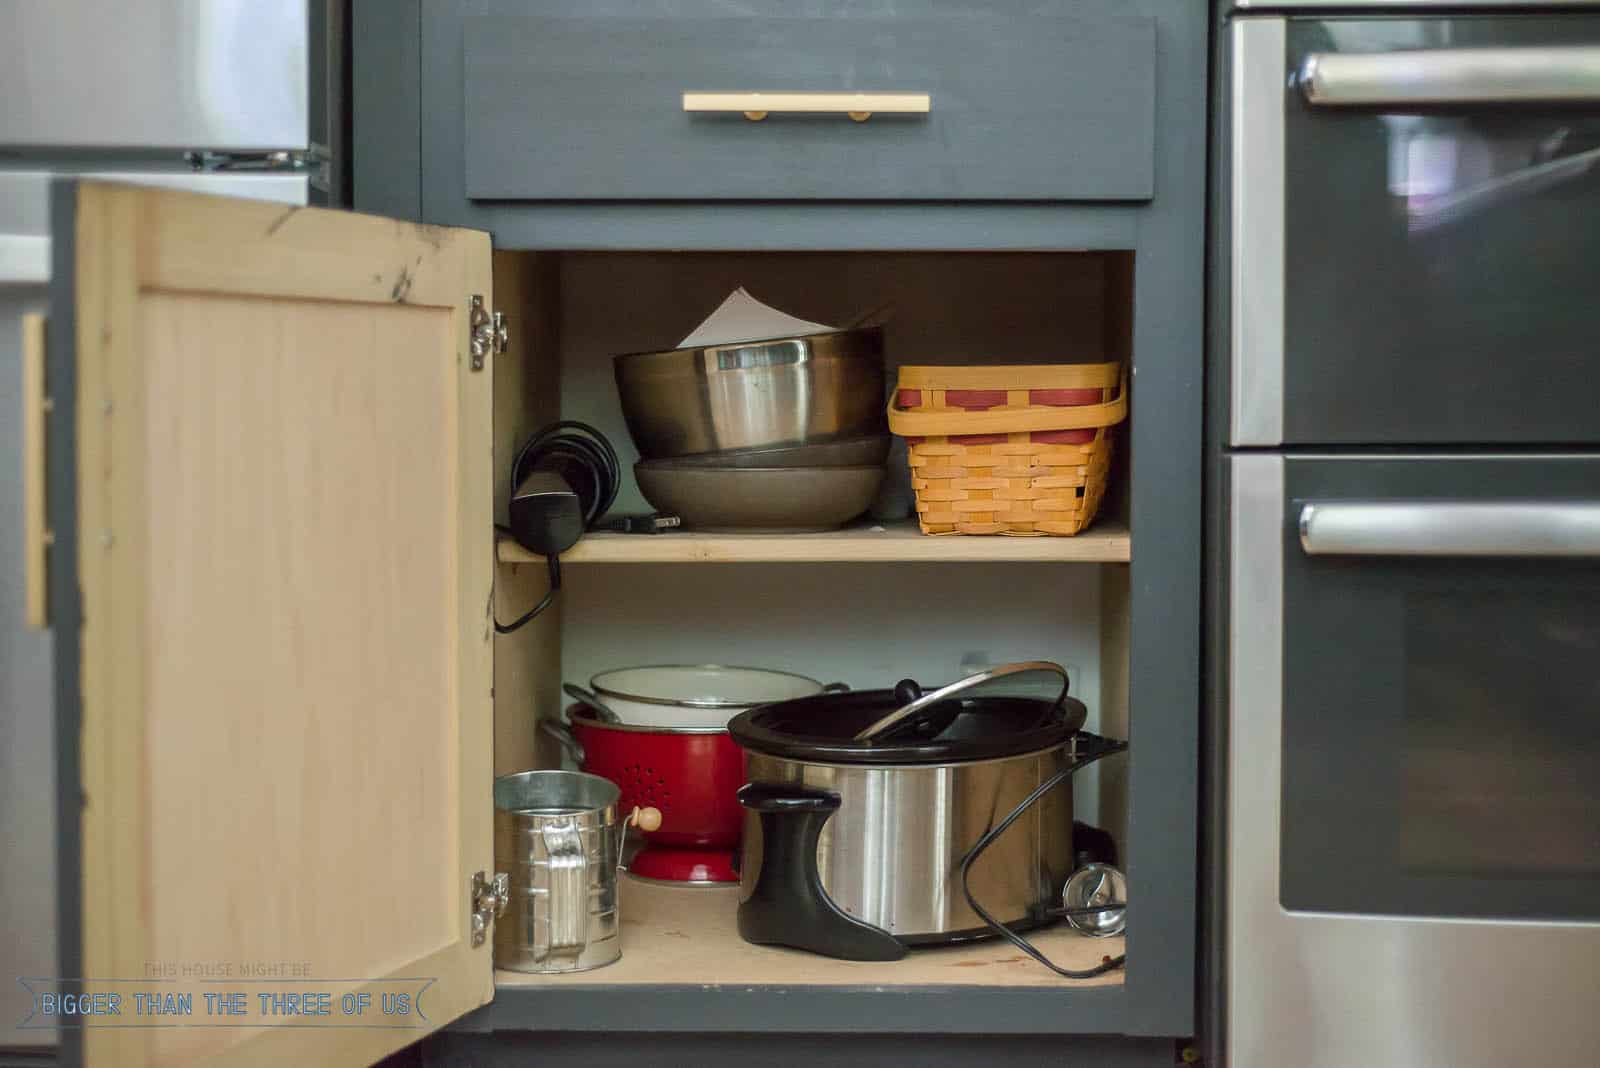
(977, 400)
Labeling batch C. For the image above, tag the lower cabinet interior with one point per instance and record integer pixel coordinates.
(687, 936)
(866, 607)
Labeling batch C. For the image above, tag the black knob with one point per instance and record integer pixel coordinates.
(1091, 845)
(906, 691)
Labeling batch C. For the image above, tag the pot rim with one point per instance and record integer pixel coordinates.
(638, 728)
(940, 766)
(1067, 716)
(712, 702)
(511, 780)
(869, 335)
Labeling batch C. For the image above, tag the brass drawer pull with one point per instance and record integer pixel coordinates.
(859, 106)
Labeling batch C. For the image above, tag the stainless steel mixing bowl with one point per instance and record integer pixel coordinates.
(788, 391)
(844, 452)
(769, 499)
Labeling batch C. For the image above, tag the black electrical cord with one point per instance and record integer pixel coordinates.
(550, 596)
(1104, 748)
(587, 461)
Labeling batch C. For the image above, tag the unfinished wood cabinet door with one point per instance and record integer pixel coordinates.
(271, 487)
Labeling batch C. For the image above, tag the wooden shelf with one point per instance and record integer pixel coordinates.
(1106, 542)
(687, 936)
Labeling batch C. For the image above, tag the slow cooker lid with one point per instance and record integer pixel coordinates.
(1005, 711)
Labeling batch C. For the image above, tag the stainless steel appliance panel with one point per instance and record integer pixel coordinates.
(1333, 957)
(179, 74)
(1441, 723)
(1256, 240)
(1412, 260)
(1405, 5)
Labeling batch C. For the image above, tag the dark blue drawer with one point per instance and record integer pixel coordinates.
(1022, 107)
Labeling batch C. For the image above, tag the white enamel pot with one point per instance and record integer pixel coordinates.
(692, 697)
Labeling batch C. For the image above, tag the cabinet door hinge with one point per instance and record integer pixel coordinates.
(489, 332)
(489, 900)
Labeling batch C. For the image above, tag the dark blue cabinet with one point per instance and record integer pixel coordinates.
(553, 124)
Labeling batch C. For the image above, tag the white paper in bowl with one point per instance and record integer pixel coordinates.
(744, 318)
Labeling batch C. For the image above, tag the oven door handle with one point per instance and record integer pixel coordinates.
(1452, 76)
(1450, 528)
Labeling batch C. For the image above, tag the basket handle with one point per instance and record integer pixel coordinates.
(1012, 420)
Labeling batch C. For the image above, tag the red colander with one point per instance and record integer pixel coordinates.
(691, 774)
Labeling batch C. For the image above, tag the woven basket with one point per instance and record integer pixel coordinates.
(1009, 450)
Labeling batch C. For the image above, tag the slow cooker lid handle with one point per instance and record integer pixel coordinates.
(916, 701)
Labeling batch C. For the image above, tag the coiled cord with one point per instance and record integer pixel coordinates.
(586, 460)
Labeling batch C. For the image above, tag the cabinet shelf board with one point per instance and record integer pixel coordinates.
(688, 936)
(1106, 542)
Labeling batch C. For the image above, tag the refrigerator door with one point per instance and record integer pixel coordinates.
(227, 75)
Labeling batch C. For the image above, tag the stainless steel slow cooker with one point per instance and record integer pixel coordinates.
(861, 808)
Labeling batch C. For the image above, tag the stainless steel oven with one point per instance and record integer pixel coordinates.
(1410, 552)
(1415, 228)
(1414, 759)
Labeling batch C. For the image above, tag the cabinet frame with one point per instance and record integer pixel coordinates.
(407, 78)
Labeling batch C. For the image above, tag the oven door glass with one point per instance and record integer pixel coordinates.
(1441, 723)
(1441, 261)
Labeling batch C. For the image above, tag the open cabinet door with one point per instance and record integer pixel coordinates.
(270, 486)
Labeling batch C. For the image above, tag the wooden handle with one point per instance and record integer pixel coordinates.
(36, 535)
(646, 819)
(1008, 420)
(859, 106)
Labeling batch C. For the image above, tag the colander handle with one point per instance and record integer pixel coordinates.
(568, 741)
(585, 697)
